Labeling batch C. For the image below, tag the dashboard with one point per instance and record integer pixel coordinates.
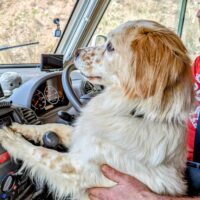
(44, 94)
(49, 95)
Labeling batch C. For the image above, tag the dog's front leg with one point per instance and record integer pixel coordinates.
(60, 171)
(36, 132)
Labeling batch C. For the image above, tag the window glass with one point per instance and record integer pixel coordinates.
(120, 11)
(30, 21)
(191, 28)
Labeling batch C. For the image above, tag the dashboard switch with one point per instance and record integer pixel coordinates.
(8, 183)
(66, 116)
(3, 196)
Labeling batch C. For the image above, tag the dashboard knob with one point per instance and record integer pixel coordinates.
(66, 116)
(50, 139)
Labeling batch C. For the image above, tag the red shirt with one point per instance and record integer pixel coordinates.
(192, 122)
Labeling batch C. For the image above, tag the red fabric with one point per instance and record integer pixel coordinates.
(4, 157)
(192, 122)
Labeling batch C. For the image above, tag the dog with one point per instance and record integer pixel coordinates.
(136, 125)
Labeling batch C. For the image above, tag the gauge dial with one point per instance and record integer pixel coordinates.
(38, 101)
(51, 95)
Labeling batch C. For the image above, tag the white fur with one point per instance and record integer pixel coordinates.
(151, 148)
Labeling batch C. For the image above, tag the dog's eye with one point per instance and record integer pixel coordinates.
(109, 47)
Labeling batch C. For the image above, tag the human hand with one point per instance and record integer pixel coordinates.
(127, 188)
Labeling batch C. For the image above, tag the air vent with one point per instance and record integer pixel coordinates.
(29, 116)
(5, 104)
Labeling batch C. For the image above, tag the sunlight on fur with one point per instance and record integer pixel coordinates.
(144, 67)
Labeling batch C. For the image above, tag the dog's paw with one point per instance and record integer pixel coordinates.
(14, 143)
(3, 134)
(8, 136)
(15, 126)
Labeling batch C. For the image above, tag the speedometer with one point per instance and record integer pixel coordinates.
(38, 101)
(51, 95)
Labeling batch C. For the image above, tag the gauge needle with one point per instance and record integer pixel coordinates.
(36, 102)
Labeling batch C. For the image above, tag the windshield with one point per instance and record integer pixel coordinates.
(32, 21)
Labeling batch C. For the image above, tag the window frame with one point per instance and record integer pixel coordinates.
(81, 26)
(85, 21)
(181, 18)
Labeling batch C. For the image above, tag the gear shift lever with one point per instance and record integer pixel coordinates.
(51, 141)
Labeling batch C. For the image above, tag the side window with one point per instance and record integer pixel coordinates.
(191, 28)
(120, 11)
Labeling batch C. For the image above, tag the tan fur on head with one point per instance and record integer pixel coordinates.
(159, 60)
(161, 68)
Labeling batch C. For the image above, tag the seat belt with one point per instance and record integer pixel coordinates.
(196, 154)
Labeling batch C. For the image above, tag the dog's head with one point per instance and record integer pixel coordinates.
(144, 58)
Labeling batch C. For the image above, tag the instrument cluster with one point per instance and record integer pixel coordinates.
(48, 95)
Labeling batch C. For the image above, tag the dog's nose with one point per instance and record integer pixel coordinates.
(77, 53)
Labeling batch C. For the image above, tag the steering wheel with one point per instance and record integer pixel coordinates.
(67, 86)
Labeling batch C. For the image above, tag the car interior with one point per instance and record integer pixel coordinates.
(39, 83)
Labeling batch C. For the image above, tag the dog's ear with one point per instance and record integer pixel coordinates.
(160, 62)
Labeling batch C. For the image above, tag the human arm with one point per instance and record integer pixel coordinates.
(127, 188)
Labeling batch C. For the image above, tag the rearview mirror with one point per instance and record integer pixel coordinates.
(98, 40)
(57, 32)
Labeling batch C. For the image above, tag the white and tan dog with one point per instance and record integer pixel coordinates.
(146, 69)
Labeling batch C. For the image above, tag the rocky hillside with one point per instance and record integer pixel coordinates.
(162, 11)
(23, 21)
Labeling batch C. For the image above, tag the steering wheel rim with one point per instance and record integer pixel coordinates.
(67, 87)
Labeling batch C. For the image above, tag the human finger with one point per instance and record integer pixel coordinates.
(112, 174)
(93, 197)
(99, 193)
